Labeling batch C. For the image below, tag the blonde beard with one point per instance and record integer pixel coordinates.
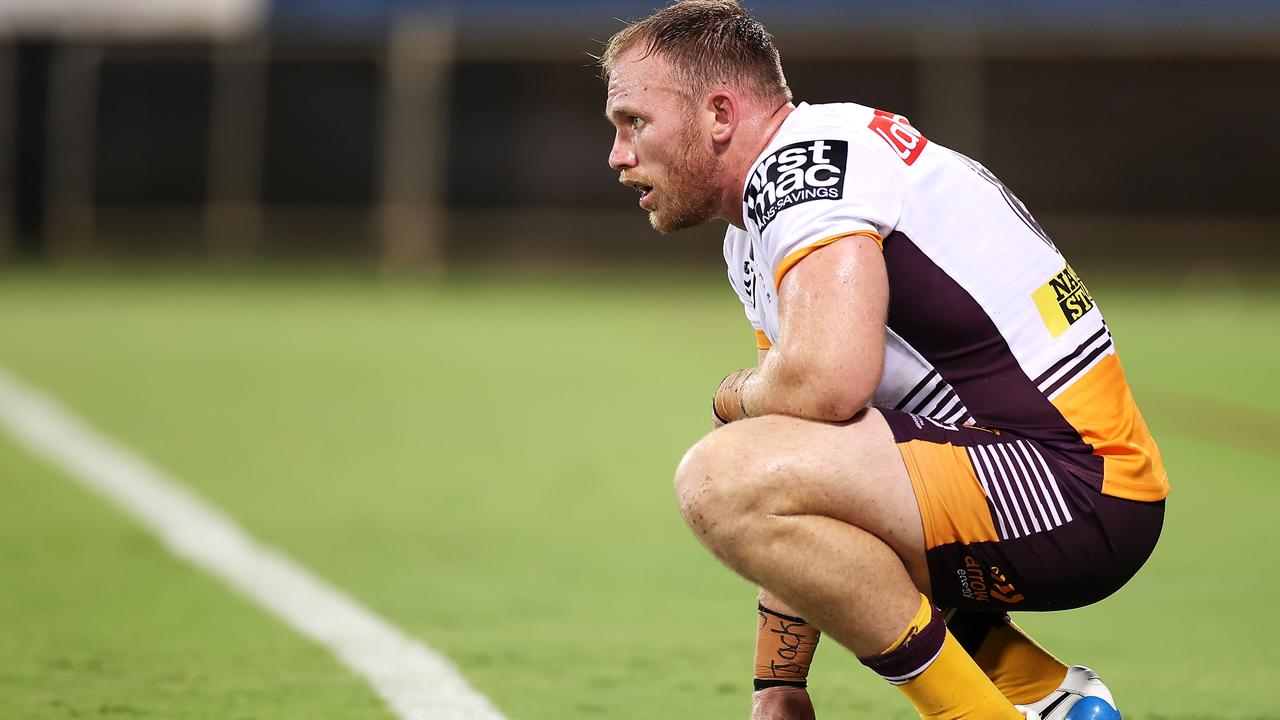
(690, 198)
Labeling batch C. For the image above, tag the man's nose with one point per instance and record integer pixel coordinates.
(622, 155)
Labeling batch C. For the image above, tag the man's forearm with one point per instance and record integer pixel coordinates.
(783, 386)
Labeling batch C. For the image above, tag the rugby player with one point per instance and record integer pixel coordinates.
(938, 430)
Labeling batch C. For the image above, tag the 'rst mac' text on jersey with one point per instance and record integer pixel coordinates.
(988, 324)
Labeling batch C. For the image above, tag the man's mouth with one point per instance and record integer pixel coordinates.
(647, 196)
(646, 193)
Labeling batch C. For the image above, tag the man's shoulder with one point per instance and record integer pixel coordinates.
(807, 123)
(818, 115)
(812, 159)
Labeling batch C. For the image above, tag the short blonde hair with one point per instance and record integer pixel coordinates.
(707, 42)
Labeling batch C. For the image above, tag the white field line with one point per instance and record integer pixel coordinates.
(418, 683)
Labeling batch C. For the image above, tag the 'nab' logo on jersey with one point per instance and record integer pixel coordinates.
(797, 173)
(1062, 301)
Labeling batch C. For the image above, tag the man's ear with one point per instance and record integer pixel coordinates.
(725, 114)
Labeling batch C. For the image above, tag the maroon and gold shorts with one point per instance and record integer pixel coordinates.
(1011, 524)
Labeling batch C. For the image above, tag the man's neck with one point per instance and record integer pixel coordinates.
(761, 130)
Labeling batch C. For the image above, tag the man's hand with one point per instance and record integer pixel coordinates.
(781, 703)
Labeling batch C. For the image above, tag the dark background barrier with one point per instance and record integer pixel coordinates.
(430, 134)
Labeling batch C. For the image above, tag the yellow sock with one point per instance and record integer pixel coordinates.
(1024, 671)
(937, 675)
(954, 687)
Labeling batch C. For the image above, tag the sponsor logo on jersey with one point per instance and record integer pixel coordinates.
(1062, 301)
(795, 174)
(896, 130)
(973, 582)
(984, 584)
(1002, 588)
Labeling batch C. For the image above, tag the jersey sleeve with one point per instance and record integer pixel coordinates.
(811, 193)
(743, 278)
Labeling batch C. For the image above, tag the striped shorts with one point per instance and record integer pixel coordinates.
(1011, 524)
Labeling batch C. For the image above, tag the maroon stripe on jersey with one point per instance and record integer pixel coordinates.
(942, 406)
(922, 404)
(1077, 369)
(952, 411)
(919, 386)
(949, 328)
(1069, 357)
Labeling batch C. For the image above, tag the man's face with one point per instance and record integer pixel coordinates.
(659, 147)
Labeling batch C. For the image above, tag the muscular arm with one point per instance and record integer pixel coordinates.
(830, 350)
(825, 366)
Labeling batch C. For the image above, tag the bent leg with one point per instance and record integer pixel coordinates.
(1012, 524)
(823, 516)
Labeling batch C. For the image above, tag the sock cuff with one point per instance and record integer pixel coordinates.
(915, 650)
(922, 617)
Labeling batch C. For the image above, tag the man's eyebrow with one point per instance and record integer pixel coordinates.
(617, 111)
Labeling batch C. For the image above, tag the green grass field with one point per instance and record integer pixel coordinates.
(487, 464)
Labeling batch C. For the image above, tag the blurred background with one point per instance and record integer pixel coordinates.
(357, 273)
(428, 134)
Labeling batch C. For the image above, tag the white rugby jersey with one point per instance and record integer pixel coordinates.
(988, 324)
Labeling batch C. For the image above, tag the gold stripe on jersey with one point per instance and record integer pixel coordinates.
(790, 261)
(953, 506)
(1063, 300)
(1100, 407)
(762, 341)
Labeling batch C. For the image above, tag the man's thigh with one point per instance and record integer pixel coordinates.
(1008, 525)
(852, 472)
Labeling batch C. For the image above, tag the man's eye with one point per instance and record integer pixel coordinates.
(635, 121)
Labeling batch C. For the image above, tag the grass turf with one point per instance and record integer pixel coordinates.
(100, 622)
(486, 463)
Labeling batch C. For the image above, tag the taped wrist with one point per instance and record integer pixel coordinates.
(716, 411)
(728, 404)
(784, 650)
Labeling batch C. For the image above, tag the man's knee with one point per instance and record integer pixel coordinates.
(736, 484)
(730, 480)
